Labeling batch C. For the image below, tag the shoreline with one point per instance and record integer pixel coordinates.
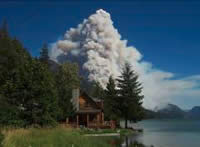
(104, 134)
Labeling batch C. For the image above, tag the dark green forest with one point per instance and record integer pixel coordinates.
(36, 91)
(31, 92)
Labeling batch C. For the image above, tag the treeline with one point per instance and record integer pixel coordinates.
(30, 92)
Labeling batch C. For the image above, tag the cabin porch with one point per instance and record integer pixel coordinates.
(89, 120)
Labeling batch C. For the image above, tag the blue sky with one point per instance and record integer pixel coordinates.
(166, 33)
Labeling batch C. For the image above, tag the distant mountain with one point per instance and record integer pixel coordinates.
(172, 111)
(149, 114)
(194, 113)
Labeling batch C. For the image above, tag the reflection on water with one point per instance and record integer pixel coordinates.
(127, 141)
(166, 133)
(131, 141)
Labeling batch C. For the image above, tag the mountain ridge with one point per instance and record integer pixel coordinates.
(172, 111)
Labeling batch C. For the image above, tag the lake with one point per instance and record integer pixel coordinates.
(168, 133)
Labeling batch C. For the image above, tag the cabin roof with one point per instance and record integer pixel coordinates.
(93, 101)
(95, 105)
(97, 100)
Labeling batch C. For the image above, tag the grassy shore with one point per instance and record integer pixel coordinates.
(57, 137)
(121, 132)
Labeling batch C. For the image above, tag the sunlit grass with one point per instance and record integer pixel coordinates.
(60, 136)
(47, 137)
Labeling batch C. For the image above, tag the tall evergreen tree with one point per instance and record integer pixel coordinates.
(39, 95)
(110, 100)
(12, 60)
(44, 53)
(67, 79)
(97, 90)
(4, 29)
(27, 88)
(129, 95)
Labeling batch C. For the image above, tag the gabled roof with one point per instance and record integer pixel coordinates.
(90, 99)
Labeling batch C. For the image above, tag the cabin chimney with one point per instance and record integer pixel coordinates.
(75, 98)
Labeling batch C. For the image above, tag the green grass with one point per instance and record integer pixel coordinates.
(60, 137)
(57, 137)
(125, 132)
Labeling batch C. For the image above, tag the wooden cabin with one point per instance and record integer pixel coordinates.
(88, 111)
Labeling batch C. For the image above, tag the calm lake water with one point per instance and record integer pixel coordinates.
(168, 133)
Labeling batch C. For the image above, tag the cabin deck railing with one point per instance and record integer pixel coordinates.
(105, 124)
(94, 124)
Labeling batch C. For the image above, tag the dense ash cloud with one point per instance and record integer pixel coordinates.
(100, 51)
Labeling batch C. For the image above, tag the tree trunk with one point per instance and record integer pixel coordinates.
(126, 123)
(126, 142)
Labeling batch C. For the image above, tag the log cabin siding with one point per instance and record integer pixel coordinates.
(84, 104)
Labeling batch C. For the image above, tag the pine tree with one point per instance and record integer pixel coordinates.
(110, 100)
(12, 59)
(44, 53)
(38, 94)
(97, 90)
(27, 87)
(4, 30)
(67, 79)
(130, 97)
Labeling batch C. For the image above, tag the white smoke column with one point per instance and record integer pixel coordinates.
(100, 45)
(100, 42)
